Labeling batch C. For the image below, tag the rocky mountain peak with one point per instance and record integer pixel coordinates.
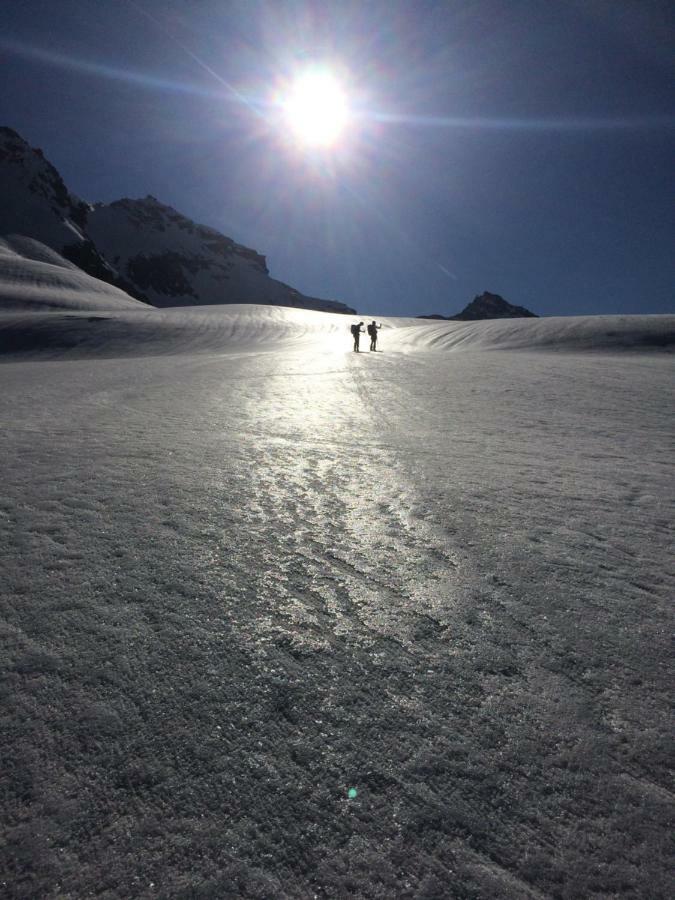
(26, 167)
(487, 306)
(11, 138)
(492, 306)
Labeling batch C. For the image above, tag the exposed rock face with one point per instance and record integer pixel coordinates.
(487, 306)
(148, 249)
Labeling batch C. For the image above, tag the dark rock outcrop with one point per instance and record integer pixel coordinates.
(86, 257)
(486, 306)
(492, 306)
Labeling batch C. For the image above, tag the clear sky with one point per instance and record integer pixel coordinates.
(524, 147)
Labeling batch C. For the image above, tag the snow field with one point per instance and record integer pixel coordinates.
(242, 578)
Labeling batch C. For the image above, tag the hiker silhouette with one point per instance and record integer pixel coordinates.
(356, 332)
(372, 331)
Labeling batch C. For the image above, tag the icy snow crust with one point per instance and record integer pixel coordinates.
(245, 570)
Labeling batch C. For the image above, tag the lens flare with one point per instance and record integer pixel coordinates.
(316, 109)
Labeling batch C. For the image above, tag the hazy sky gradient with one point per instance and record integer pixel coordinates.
(520, 147)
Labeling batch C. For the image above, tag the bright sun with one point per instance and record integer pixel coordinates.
(316, 109)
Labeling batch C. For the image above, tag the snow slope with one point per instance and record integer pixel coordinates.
(245, 570)
(34, 277)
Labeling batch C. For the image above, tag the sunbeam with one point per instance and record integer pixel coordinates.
(103, 70)
(495, 123)
(236, 95)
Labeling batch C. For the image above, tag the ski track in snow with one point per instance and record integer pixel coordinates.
(425, 559)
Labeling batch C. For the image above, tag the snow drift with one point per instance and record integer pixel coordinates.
(33, 277)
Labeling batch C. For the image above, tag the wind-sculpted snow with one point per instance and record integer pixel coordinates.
(46, 302)
(35, 277)
(234, 329)
(573, 333)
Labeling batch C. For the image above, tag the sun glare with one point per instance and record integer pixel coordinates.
(316, 109)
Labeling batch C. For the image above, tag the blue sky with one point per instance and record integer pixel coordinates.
(520, 147)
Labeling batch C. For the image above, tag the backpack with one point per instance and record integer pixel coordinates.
(355, 330)
(371, 330)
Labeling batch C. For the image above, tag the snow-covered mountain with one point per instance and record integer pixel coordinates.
(142, 246)
(37, 204)
(173, 261)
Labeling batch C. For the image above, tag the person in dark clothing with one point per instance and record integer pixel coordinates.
(372, 331)
(356, 331)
